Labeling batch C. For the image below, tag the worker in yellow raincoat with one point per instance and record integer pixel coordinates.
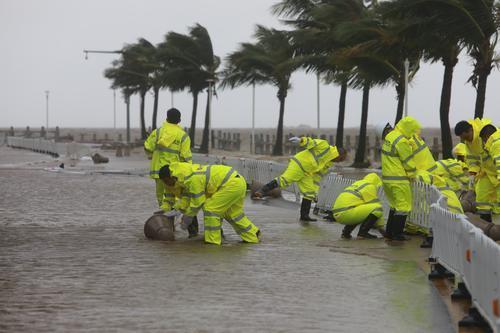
(490, 136)
(167, 144)
(398, 169)
(359, 204)
(306, 169)
(454, 173)
(219, 191)
(475, 155)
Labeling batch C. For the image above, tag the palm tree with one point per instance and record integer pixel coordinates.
(424, 29)
(314, 40)
(269, 61)
(191, 62)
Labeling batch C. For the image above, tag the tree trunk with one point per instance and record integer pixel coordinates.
(192, 129)
(339, 140)
(278, 147)
(155, 106)
(400, 90)
(444, 110)
(481, 93)
(204, 140)
(359, 160)
(143, 120)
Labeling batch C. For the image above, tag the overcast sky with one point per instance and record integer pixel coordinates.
(43, 42)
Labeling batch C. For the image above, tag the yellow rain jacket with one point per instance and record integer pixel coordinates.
(166, 145)
(474, 152)
(491, 166)
(421, 154)
(358, 201)
(308, 166)
(453, 172)
(220, 191)
(398, 166)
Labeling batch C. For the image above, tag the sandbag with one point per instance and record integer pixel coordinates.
(160, 227)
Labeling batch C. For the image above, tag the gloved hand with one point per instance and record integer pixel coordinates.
(295, 140)
(172, 213)
(186, 221)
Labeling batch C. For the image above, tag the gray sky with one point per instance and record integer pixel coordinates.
(43, 42)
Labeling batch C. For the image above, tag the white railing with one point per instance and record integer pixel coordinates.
(252, 170)
(464, 249)
(71, 150)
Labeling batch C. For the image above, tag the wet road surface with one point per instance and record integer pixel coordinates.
(73, 257)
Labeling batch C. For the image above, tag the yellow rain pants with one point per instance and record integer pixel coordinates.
(359, 214)
(227, 203)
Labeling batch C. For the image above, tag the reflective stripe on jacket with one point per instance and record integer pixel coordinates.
(200, 182)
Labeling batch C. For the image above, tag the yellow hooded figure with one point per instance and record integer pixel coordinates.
(398, 168)
(165, 145)
(306, 169)
(359, 204)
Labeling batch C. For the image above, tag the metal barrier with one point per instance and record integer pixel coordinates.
(475, 258)
(252, 170)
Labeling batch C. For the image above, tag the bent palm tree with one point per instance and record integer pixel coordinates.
(269, 61)
(425, 29)
(191, 62)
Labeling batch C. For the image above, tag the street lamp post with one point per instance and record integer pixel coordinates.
(209, 115)
(252, 148)
(407, 67)
(317, 99)
(127, 102)
(114, 108)
(47, 111)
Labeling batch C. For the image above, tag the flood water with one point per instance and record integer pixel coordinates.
(73, 257)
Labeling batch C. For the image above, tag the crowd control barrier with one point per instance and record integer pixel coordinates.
(465, 250)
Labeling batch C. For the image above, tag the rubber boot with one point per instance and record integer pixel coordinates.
(366, 226)
(399, 227)
(264, 190)
(305, 207)
(193, 228)
(346, 232)
(390, 225)
(486, 217)
(329, 217)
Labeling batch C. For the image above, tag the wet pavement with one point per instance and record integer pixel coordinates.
(73, 257)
